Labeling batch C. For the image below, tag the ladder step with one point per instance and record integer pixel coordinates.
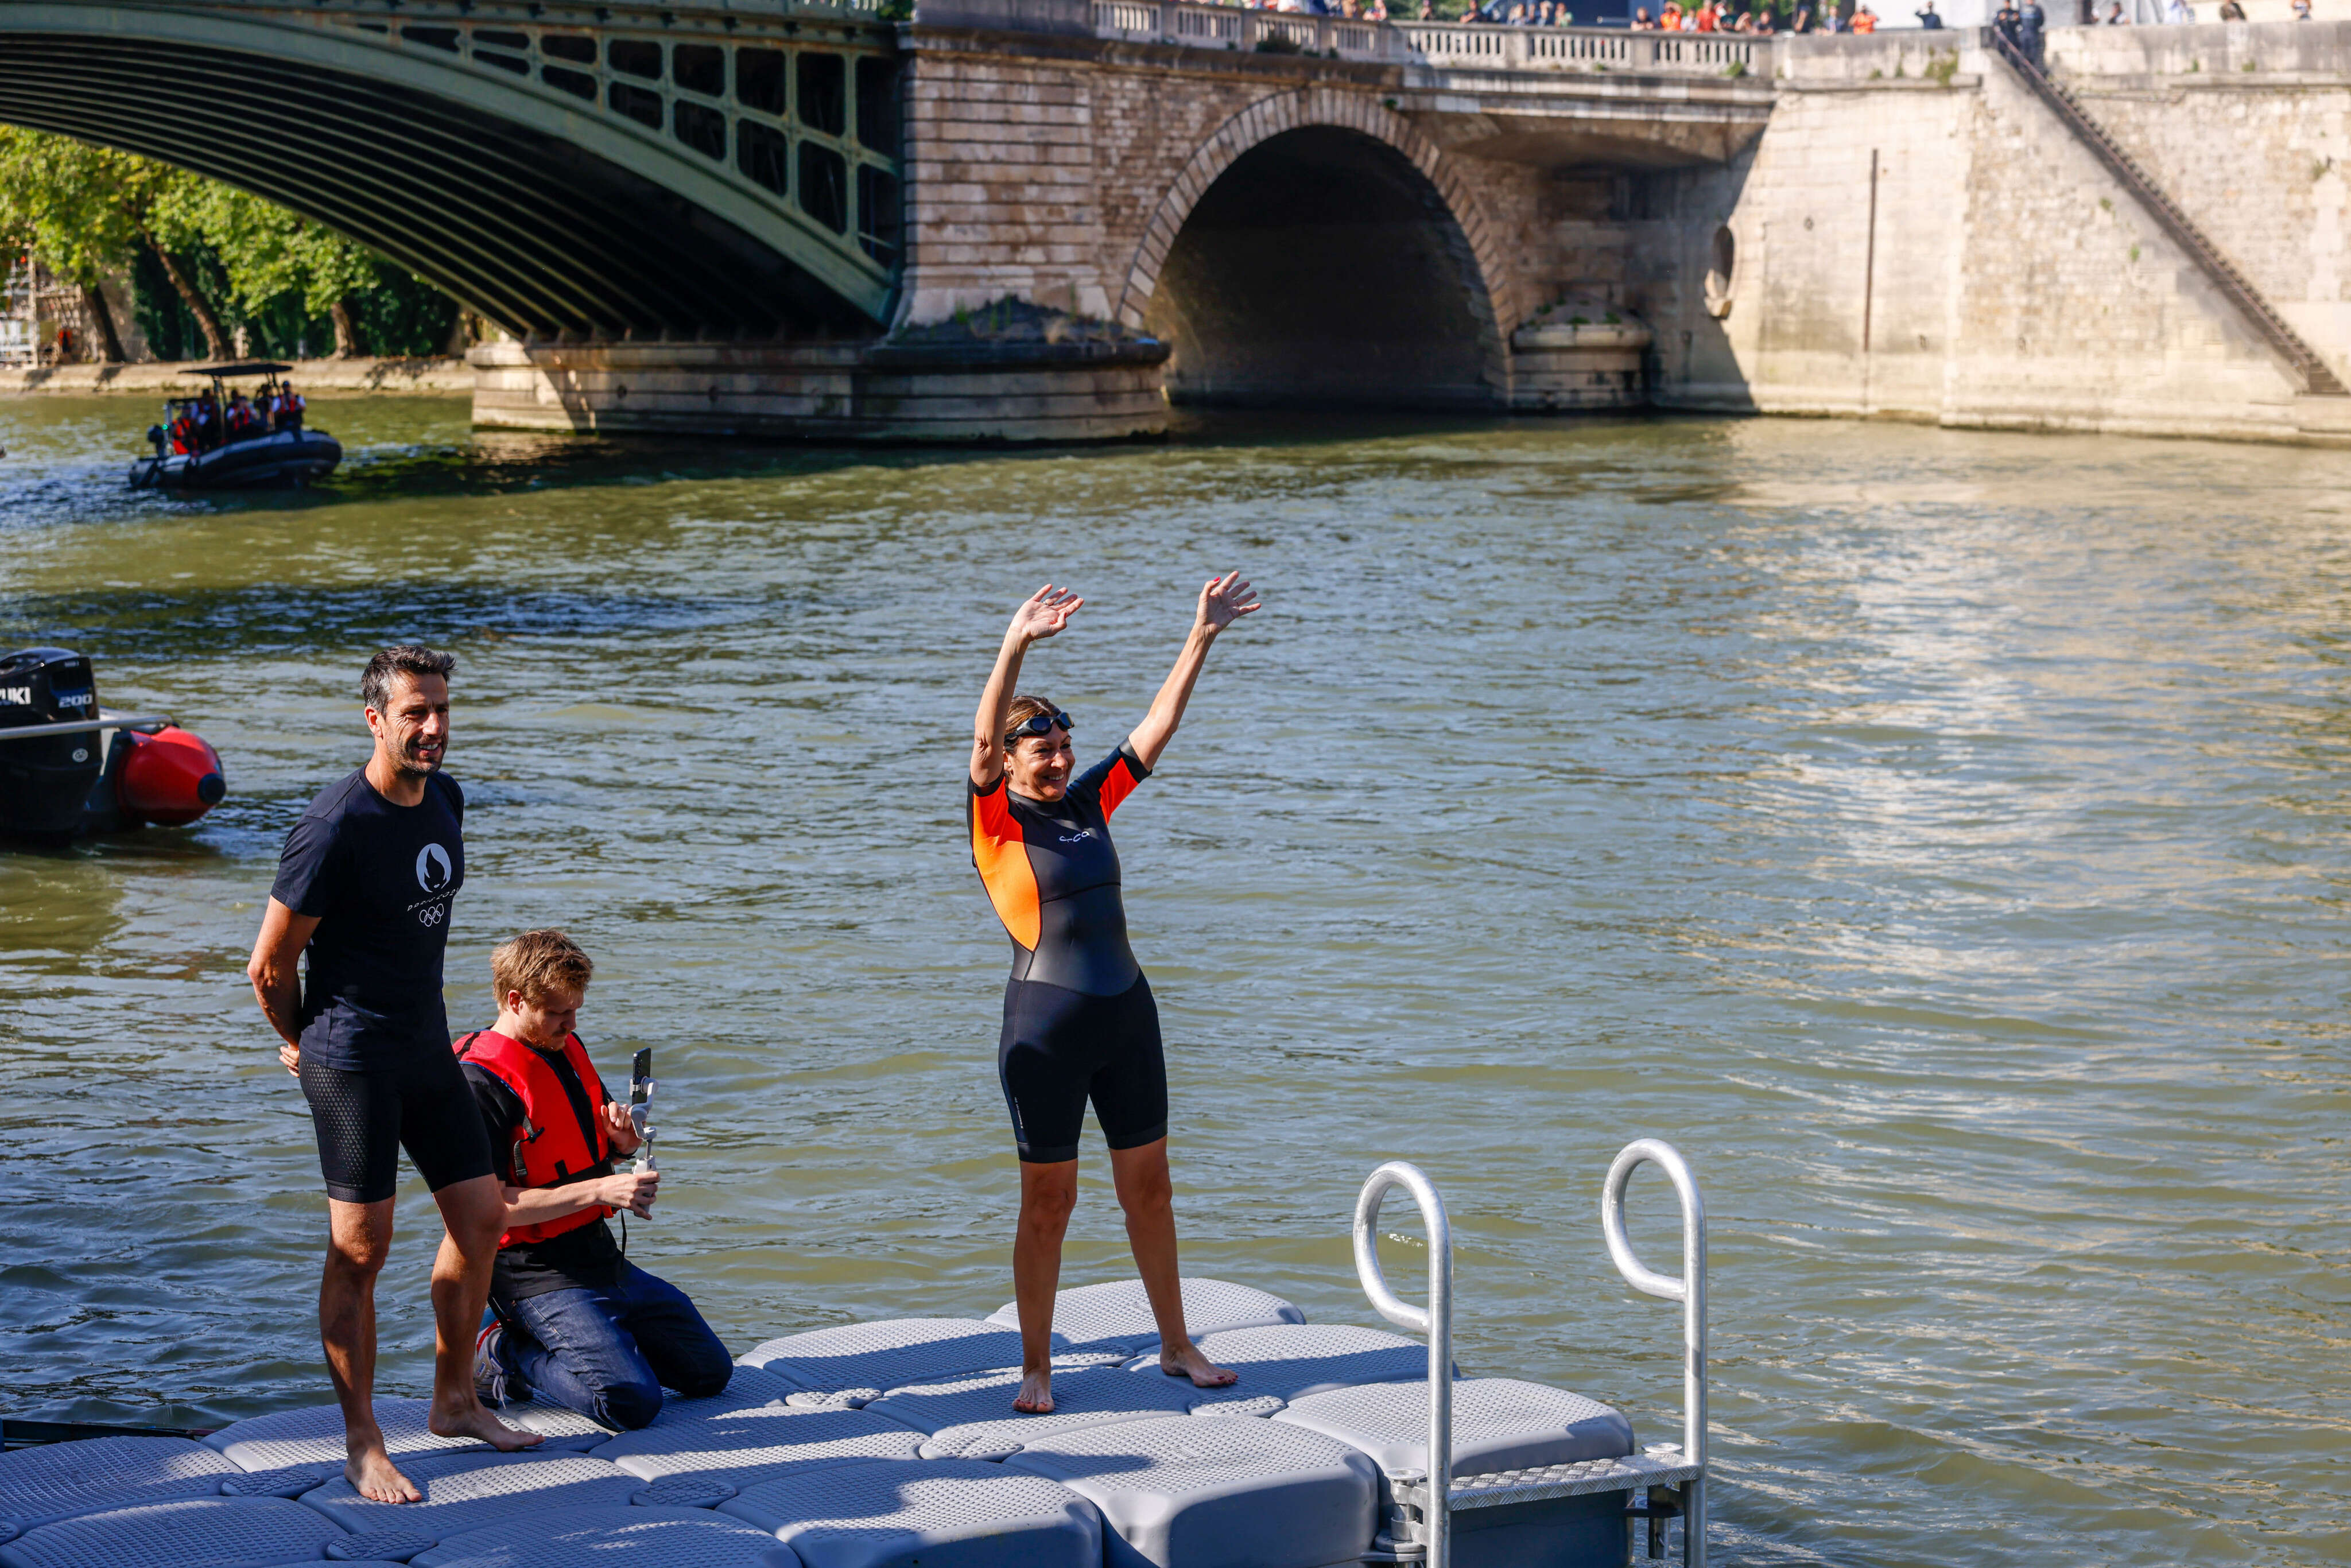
(1493, 1489)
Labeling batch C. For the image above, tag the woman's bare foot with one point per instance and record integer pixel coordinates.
(373, 1476)
(472, 1421)
(1036, 1395)
(1204, 1372)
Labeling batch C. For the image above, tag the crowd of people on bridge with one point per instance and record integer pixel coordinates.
(2179, 13)
(1748, 17)
(202, 423)
(1743, 16)
(2023, 20)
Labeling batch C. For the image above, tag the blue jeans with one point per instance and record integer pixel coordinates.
(608, 1353)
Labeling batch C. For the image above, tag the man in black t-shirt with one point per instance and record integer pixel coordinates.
(576, 1323)
(364, 886)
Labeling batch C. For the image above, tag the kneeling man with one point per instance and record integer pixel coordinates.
(574, 1322)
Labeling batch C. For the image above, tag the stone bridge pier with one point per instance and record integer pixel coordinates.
(1109, 208)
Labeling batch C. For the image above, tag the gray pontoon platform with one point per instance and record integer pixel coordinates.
(1499, 1424)
(1287, 1362)
(311, 1439)
(731, 1451)
(973, 1418)
(949, 1513)
(634, 1537)
(856, 1362)
(848, 1447)
(185, 1532)
(465, 1492)
(38, 1486)
(1215, 1494)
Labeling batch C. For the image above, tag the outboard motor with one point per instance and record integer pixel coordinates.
(46, 779)
(101, 771)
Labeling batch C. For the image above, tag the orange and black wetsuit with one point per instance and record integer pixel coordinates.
(1079, 1019)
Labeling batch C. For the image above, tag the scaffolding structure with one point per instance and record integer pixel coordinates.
(36, 306)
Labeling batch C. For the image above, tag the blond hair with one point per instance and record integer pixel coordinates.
(538, 963)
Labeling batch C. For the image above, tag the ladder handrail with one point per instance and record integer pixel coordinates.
(1690, 1289)
(2317, 376)
(1436, 1321)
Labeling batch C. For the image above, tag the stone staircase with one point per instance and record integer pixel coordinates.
(2318, 380)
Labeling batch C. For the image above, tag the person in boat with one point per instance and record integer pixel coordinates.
(573, 1320)
(207, 423)
(1080, 1023)
(243, 423)
(182, 429)
(364, 890)
(289, 407)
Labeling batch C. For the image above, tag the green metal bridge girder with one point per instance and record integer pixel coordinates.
(596, 171)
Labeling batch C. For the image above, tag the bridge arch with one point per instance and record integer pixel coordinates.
(1318, 182)
(556, 188)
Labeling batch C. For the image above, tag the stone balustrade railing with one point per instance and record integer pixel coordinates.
(1449, 44)
(1582, 48)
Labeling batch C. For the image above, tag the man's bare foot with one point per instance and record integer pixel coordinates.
(373, 1476)
(478, 1424)
(1036, 1395)
(1204, 1372)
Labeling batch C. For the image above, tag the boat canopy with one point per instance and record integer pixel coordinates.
(246, 368)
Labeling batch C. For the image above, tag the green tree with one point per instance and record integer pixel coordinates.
(271, 254)
(89, 211)
(84, 211)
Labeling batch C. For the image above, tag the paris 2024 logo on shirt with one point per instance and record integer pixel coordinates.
(434, 874)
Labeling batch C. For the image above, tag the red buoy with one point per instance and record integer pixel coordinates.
(170, 779)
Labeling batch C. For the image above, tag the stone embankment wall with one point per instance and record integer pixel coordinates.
(1917, 235)
(2248, 130)
(312, 378)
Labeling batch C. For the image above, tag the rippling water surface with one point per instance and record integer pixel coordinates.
(1940, 836)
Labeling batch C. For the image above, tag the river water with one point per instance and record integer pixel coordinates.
(1939, 837)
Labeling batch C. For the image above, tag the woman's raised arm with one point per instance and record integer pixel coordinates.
(1040, 615)
(1224, 600)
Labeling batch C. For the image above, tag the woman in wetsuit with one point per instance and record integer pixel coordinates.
(1079, 1020)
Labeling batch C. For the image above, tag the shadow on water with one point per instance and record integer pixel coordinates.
(274, 617)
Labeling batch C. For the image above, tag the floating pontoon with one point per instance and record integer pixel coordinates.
(893, 1443)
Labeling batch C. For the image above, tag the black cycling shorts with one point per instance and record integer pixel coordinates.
(364, 1120)
(1062, 1048)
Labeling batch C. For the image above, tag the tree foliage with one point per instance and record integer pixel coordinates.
(87, 211)
(82, 209)
(269, 251)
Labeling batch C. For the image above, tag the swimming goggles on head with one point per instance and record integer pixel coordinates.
(1039, 723)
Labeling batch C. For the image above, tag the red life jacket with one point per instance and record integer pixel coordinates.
(552, 1146)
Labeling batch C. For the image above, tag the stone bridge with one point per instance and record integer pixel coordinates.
(1014, 217)
(1047, 219)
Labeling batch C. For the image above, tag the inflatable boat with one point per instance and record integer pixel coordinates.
(893, 1443)
(205, 453)
(70, 768)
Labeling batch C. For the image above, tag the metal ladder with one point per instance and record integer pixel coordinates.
(2317, 377)
(1670, 1477)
